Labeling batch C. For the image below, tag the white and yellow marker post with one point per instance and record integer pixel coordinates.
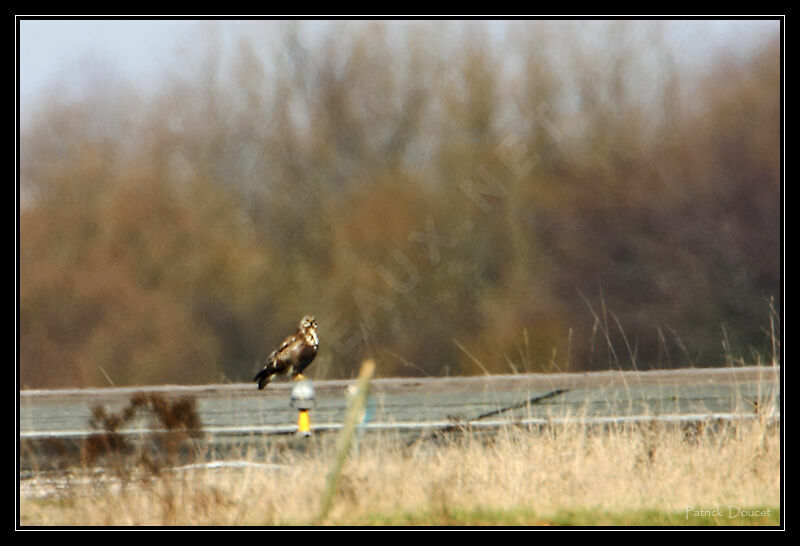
(303, 400)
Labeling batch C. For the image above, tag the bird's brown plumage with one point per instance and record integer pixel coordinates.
(294, 354)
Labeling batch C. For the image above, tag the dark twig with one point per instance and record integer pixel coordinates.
(530, 402)
(461, 424)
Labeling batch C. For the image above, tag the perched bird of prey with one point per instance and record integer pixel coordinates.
(294, 355)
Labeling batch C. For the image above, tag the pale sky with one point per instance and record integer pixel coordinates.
(62, 53)
(48, 46)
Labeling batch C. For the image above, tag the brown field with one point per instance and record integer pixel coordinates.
(558, 475)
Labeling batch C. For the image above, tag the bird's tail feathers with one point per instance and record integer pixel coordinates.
(263, 377)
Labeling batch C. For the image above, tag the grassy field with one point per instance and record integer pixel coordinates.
(560, 475)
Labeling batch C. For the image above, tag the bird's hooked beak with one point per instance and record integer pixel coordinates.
(308, 322)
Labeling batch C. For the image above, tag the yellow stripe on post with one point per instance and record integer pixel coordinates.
(303, 424)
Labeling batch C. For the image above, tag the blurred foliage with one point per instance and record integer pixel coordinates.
(442, 200)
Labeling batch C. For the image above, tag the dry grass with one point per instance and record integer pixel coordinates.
(513, 476)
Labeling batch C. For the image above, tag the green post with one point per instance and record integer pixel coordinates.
(345, 439)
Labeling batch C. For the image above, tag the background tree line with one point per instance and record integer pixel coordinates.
(446, 200)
